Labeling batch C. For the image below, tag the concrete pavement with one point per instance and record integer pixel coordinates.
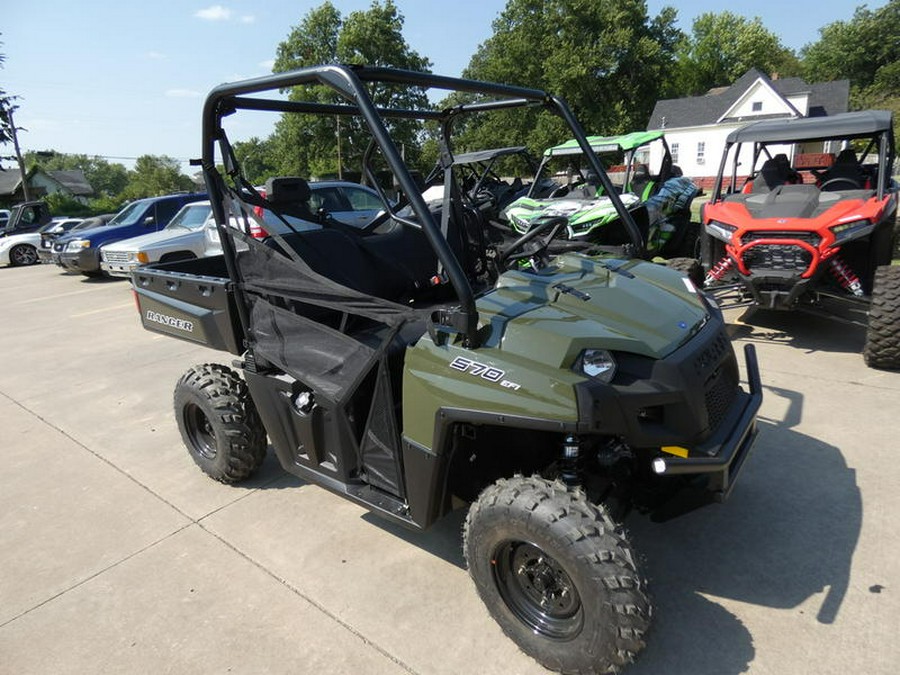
(118, 554)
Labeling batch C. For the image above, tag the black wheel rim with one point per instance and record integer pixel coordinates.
(537, 590)
(200, 431)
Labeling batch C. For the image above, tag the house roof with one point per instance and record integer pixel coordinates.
(74, 181)
(825, 98)
(9, 181)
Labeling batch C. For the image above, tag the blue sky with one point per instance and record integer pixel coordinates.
(122, 79)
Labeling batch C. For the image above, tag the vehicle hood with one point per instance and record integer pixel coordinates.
(583, 214)
(10, 240)
(153, 239)
(629, 306)
(103, 233)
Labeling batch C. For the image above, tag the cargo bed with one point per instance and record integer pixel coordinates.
(192, 300)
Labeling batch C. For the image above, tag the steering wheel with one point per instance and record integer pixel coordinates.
(514, 253)
(854, 185)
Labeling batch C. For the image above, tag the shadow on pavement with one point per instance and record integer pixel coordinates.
(801, 330)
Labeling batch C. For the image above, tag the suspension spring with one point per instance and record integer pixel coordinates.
(845, 276)
(719, 270)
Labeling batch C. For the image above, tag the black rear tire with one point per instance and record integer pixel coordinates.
(219, 422)
(882, 348)
(557, 574)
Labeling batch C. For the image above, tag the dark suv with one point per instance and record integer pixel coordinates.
(80, 251)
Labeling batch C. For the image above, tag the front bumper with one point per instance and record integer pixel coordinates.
(722, 456)
(85, 260)
(118, 269)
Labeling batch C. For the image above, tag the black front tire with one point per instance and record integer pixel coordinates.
(882, 348)
(557, 574)
(219, 422)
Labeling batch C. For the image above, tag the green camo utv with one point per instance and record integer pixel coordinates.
(413, 365)
(659, 200)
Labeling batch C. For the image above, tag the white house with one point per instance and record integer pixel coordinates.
(696, 127)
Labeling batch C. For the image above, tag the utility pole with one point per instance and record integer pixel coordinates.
(15, 140)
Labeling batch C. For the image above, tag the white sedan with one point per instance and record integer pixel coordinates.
(20, 249)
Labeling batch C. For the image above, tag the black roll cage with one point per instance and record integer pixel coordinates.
(876, 126)
(349, 82)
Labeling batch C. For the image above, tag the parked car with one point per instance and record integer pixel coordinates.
(348, 203)
(26, 217)
(50, 235)
(80, 251)
(4, 218)
(182, 239)
(19, 250)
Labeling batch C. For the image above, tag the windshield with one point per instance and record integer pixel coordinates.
(191, 217)
(129, 215)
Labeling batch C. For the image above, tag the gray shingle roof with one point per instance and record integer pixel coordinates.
(74, 180)
(826, 98)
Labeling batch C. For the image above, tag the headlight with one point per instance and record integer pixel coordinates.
(720, 231)
(847, 231)
(78, 244)
(598, 364)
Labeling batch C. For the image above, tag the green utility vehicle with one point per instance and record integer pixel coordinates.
(659, 200)
(413, 365)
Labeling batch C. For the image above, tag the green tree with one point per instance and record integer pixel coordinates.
(722, 47)
(308, 145)
(864, 50)
(856, 49)
(255, 157)
(155, 175)
(607, 58)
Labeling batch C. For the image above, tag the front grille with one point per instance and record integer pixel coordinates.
(115, 256)
(720, 390)
(785, 257)
(711, 356)
(810, 238)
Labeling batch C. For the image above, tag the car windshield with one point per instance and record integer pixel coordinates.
(129, 215)
(191, 217)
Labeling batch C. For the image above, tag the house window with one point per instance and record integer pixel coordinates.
(701, 152)
(757, 106)
(673, 150)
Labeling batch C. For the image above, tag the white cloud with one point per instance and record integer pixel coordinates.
(156, 56)
(247, 18)
(214, 13)
(267, 65)
(183, 93)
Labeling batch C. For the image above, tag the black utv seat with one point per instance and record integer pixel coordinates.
(774, 172)
(847, 168)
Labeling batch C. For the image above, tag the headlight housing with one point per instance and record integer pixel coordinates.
(78, 244)
(852, 230)
(140, 256)
(721, 231)
(598, 364)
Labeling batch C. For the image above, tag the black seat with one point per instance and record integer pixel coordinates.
(775, 171)
(290, 195)
(847, 168)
